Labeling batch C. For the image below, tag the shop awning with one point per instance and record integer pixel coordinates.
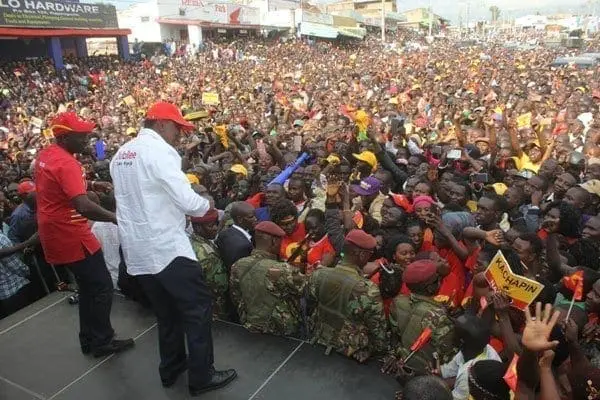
(352, 14)
(353, 32)
(205, 24)
(394, 16)
(37, 33)
(318, 30)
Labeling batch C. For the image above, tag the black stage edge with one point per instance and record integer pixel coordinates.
(40, 359)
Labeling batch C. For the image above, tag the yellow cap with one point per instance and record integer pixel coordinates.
(333, 159)
(130, 131)
(239, 169)
(192, 179)
(500, 188)
(368, 157)
(592, 186)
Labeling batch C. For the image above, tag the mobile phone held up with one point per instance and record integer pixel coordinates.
(454, 154)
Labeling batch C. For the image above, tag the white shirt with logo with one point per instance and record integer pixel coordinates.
(153, 198)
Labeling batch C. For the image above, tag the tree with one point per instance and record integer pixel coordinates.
(495, 13)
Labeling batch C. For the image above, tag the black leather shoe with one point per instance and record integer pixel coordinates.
(86, 349)
(218, 380)
(168, 382)
(116, 346)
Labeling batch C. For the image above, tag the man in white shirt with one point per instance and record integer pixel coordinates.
(474, 336)
(153, 198)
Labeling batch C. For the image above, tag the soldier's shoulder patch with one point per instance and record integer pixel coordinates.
(274, 273)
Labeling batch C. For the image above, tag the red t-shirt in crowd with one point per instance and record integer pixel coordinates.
(289, 243)
(316, 252)
(453, 285)
(256, 200)
(64, 233)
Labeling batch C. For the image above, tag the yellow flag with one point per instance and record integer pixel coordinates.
(524, 120)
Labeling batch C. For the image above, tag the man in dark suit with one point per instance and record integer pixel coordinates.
(235, 242)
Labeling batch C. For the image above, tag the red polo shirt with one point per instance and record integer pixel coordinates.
(64, 233)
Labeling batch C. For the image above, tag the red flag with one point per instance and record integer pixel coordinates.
(358, 219)
(510, 377)
(575, 283)
(421, 340)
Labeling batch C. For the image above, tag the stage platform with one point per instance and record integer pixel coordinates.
(40, 359)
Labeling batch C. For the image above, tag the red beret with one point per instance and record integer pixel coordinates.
(270, 228)
(361, 239)
(211, 216)
(419, 271)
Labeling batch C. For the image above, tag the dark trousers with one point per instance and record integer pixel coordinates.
(183, 306)
(95, 300)
(15, 302)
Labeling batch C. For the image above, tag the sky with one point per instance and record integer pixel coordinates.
(479, 9)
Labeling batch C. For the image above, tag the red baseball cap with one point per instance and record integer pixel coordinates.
(168, 111)
(69, 122)
(26, 187)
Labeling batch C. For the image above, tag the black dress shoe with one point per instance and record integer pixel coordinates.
(168, 382)
(116, 346)
(86, 349)
(218, 380)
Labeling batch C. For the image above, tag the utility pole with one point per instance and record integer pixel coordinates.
(468, 16)
(382, 21)
(430, 19)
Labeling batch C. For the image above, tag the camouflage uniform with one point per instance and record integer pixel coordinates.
(266, 293)
(215, 274)
(349, 314)
(409, 316)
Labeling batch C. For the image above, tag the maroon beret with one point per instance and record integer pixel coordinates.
(270, 228)
(419, 271)
(211, 216)
(361, 239)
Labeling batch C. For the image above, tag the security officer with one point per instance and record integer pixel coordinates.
(349, 314)
(205, 230)
(411, 315)
(266, 291)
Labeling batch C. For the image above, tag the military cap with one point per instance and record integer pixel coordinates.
(419, 271)
(211, 216)
(270, 228)
(361, 239)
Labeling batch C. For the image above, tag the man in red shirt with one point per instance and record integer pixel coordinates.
(63, 209)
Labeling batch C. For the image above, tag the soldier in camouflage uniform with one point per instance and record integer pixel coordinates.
(215, 273)
(410, 315)
(265, 291)
(348, 315)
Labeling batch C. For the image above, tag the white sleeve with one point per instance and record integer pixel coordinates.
(461, 386)
(168, 172)
(449, 370)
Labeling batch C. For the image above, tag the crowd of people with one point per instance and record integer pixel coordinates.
(357, 195)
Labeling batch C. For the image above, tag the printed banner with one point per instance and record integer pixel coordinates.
(37, 122)
(129, 100)
(210, 98)
(56, 14)
(521, 290)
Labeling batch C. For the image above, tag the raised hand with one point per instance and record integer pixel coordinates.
(538, 328)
